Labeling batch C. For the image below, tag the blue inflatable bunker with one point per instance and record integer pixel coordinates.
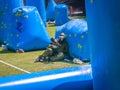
(103, 18)
(40, 4)
(50, 12)
(77, 36)
(28, 32)
(74, 78)
(6, 7)
(61, 14)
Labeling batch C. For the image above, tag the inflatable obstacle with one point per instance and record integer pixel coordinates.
(104, 37)
(103, 18)
(28, 32)
(76, 32)
(61, 14)
(74, 78)
(50, 12)
(6, 7)
(40, 4)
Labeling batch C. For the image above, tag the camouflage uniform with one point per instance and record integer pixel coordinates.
(56, 51)
(52, 48)
(63, 45)
(62, 51)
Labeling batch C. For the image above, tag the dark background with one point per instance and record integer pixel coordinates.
(77, 5)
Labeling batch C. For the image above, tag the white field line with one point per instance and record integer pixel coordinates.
(14, 67)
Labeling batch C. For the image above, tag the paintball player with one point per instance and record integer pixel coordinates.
(56, 51)
(52, 48)
(63, 50)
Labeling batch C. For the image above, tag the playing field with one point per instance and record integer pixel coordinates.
(12, 63)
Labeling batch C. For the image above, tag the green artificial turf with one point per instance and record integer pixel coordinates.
(6, 70)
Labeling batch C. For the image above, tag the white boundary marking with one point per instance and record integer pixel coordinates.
(14, 67)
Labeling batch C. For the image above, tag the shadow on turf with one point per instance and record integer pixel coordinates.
(6, 51)
(70, 62)
(51, 25)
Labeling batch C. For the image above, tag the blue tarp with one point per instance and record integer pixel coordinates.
(28, 32)
(74, 78)
(77, 36)
(50, 12)
(61, 14)
(6, 7)
(40, 4)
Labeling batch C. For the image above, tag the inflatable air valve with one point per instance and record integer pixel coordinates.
(50, 12)
(6, 7)
(28, 32)
(61, 14)
(103, 18)
(40, 4)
